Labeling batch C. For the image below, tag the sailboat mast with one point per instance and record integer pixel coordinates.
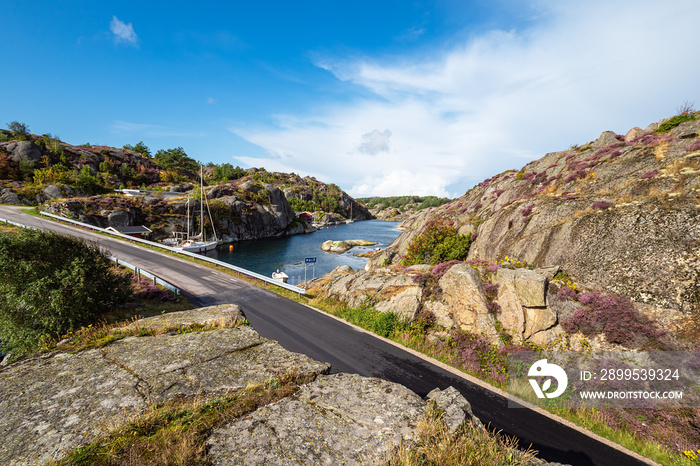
(201, 201)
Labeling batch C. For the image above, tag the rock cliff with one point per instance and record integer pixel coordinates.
(620, 213)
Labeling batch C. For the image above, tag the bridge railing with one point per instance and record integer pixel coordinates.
(239, 270)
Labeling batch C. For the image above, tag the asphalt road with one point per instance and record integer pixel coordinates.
(301, 329)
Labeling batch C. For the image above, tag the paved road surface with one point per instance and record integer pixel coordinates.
(324, 338)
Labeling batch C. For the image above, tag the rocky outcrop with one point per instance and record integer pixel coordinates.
(520, 303)
(337, 419)
(249, 211)
(388, 291)
(22, 151)
(340, 247)
(55, 402)
(621, 214)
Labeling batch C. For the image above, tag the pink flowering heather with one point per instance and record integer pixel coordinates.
(613, 315)
(650, 174)
(441, 269)
(694, 146)
(575, 176)
(601, 205)
(527, 210)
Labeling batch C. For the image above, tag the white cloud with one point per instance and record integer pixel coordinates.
(123, 33)
(496, 100)
(375, 142)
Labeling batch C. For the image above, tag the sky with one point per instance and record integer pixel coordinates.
(381, 97)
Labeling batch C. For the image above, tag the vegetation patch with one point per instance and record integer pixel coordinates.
(470, 445)
(50, 285)
(672, 122)
(614, 316)
(175, 432)
(438, 243)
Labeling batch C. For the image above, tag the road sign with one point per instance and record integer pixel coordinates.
(310, 260)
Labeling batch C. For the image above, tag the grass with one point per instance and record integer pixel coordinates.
(175, 432)
(470, 445)
(102, 334)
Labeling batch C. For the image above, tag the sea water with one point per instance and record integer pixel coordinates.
(288, 254)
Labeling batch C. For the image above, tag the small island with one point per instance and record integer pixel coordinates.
(342, 246)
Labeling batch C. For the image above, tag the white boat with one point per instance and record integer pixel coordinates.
(280, 276)
(350, 220)
(198, 243)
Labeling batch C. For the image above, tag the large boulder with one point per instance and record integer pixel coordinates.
(463, 291)
(389, 291)
(23, 151)
(7, 196)
(337, 419)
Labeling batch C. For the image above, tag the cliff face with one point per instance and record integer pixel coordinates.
(240, 212)
(621, 214)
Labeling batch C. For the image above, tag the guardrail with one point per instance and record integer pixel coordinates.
(239, 270)
(140, 272)
(4, 220)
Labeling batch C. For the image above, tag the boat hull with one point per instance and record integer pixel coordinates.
(198, 246)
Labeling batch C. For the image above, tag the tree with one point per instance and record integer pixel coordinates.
(176, 159)
(19, 130)
(226, 172)
(50, 285)
(139, 147)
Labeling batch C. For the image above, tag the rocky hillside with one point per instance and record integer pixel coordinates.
(620, 213)
(175, 371)
(79, 182)
(400, 208)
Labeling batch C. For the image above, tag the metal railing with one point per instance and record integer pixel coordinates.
(139, 271)
(143, 273)
(10, 222)
(239, 270)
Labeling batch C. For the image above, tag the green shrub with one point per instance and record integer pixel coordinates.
(139, 147)
(88, 183)
(20, 131)
(452, 248)
(438, 243)
(667, 126)
(50, 285)
(176, 160)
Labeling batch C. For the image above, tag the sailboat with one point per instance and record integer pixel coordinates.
(350, 220)
(198, 243)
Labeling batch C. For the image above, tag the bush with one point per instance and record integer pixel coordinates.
(20, 131)
(438, 243)
(672, 122)
(50, 285)
(139, 148)
(613, 315)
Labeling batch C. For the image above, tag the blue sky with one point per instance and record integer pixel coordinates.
(379, 97)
